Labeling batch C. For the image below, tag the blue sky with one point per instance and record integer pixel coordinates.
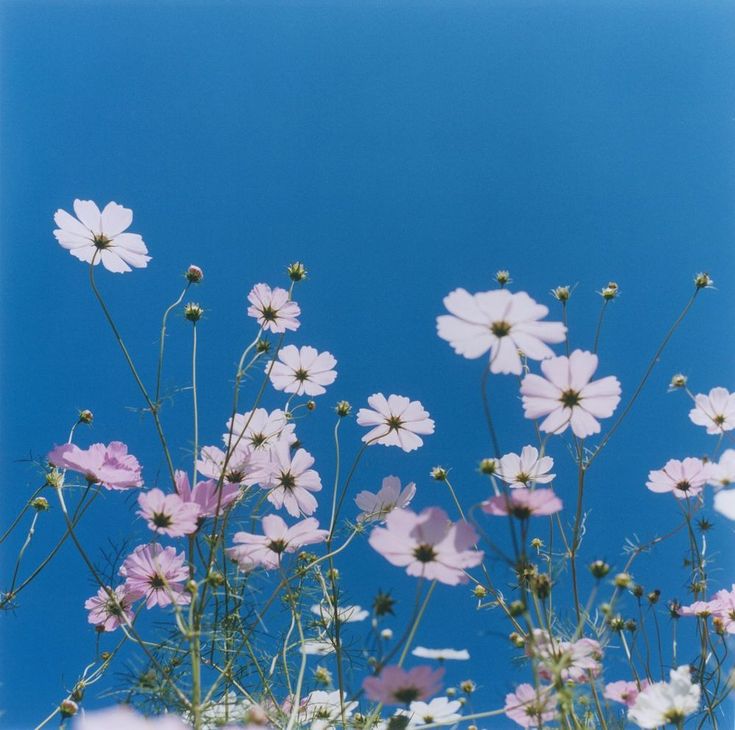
(401, 150)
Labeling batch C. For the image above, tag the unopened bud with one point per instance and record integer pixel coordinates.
(439, 473)
(678, 381)
(599, 568)
(40, 504)
(489, 466)
(296, 271)
(562, 293)
(86, 416)
(703, 280)
(68, 708)
(193, 312)
(194, 274)
(343, 408)
(502, 277)
(622, 580)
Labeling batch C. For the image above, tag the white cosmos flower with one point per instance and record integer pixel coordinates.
(345, 614)
(441, 710)
(441, 654)
(376, 505)
(715, 411)
(395, 421)
(722, 474)
(302, 371)
(666, 702)
(317, 647)
(725, 503)
(526, 469)
(100, 237)
(324, 709)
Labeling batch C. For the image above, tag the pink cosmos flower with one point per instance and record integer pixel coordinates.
(624, 692)
(567, 397)
(723, 605)
(205, 495)
(531, 707)
(168, 514)
(701, 609)
(290, 480)
(273, 308)
(725, 503)
(427, 544)
(524, 503)
(125, 718)
(684, 478)
(239, 468)
(397, 421)
(501, 322)
(156, 573)
(526, 469)
(580, 659)
(259, 430)
(715, 411)
(375, 506)
(722, 474)
(277, 538)
(111, 466)
(108, 612)
(92, 232)
(396, 686)
(302, 371)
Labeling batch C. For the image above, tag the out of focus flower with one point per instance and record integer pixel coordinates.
(273, 309)
(574, 661)
(156, 574)
(531, 707)
(111, 466)
(527, 469)
(206, 495)
(302, 371)
(524, 503)
(345, 614)
(722, 473)
(684, 478)
(441, 654)
(624, 692)
(324, 709)
(440, 710)
(396, 421)
(396, 686)
(376, 505)
(125, 718)
(666, 702)
(109, 612)
(725, 503)
(715, 411)
(168, 514)
(99, 237)
(568, 397)
(317, 647)
(428, 545)
(499, 321)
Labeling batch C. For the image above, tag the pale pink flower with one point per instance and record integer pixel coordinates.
(715, 411)
(278, 538)
(376, 505)
(524, 503)
(684, 478)
(109, 612)
(579, 659)
(525, 470)
(531, 707)
(156, 573)
(666, 702)
(273, 308)
(396, 686)
(397, 421)
(168, 514)
(290, 480)
(723, 606)
(302, 371)
(428, 545)
(624, 692)
(259, 430)
(239, 468)
(111, 466)
(725, 503)
(722, 474)
(99, 236)
(206, 495)
(499, 321)
(123, 717)
(701, 609)
(567, 397)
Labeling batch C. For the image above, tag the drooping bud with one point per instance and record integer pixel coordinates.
(194, 274)
(86, 416)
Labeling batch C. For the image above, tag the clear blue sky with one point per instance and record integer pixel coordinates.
(401, 150)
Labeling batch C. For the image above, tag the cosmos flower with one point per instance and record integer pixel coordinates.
(273, 309)
(715, 411)
(302, 371)
(684, 478)
(396, 686)
(624, 692)
(427, 544)
(725, 503)
(109, 612)
(441, 654)
(531, 707)
(579, 659)
(258, 430)
(123, 717)
(701, 609)
(722, 473)
(440, 710)
(499, 321)
(666, 702)
(168, 514)
(524, 503)
(317, 647)
(99, 236)
(240, 468)
(324, 709)
(111, 466)
(396, 421)
(345, 614)
(567, 397)
(156, 573)
(376, 505)
(206, 495)
(526, 469)
(277, 538)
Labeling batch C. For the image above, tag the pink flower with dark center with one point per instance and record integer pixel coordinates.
(428, 545)
(524, 503)
(567, 396)
(99, 236)
(624, 692)
(684, 478)
(206, 495)
(375, 506)
(108, 611)
(499, 321)
(525, 470)
(723, 607)
(277, 538)
(701, 609)
(396, 421)
(302, 371)
(715, 411)
(168, 514)
(111, 466)
(157, 574)
(396, 686)
(258, 430)
(531, 707)
(239, 468)
(273, 308)
(725, 503)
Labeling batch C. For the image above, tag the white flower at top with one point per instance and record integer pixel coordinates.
(441, 654)
(715, 411)
(396, 421)
(375, 506)
(440, 710)
(273, 308)
(499, 321)
(302, 371)
(526, 469)
(568, 397)
(99, 237)
(666, 702)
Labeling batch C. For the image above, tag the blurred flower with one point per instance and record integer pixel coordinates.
(345, 614)
(441, 654)
(376, 505)
(324, 709)
(722, 473)
(273, 309)
(531, 707)
(396, 686)
(125, 718)
(397, 421)
(725, 503)
(624, 692)
(666, 702)
(111, 466)
(302, 371)
(715, 411)
(684, 478)
(524, 503)
(156, 574)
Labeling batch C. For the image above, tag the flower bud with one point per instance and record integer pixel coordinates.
(311, 405)
(488, 466)
(616, 623)
(479, 591)
(40, 504)
(322, 676)
(541, 585)
(502, 277)
(262, 346)
(343, 408)
(383, 604)
(194, 274)
(702, 280)
(386, 634)
(599, 568)
(68, 708)
(86, 416)
(622, 580)
(610, 291)
(678, 381)
(637, 590)
(562, 293)
(653, 596)
(517, 640)
(296, 271)
(631, 625)
(450, 692)
(193, 312)
(467, 686)
(537, 543)
(439, 473)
